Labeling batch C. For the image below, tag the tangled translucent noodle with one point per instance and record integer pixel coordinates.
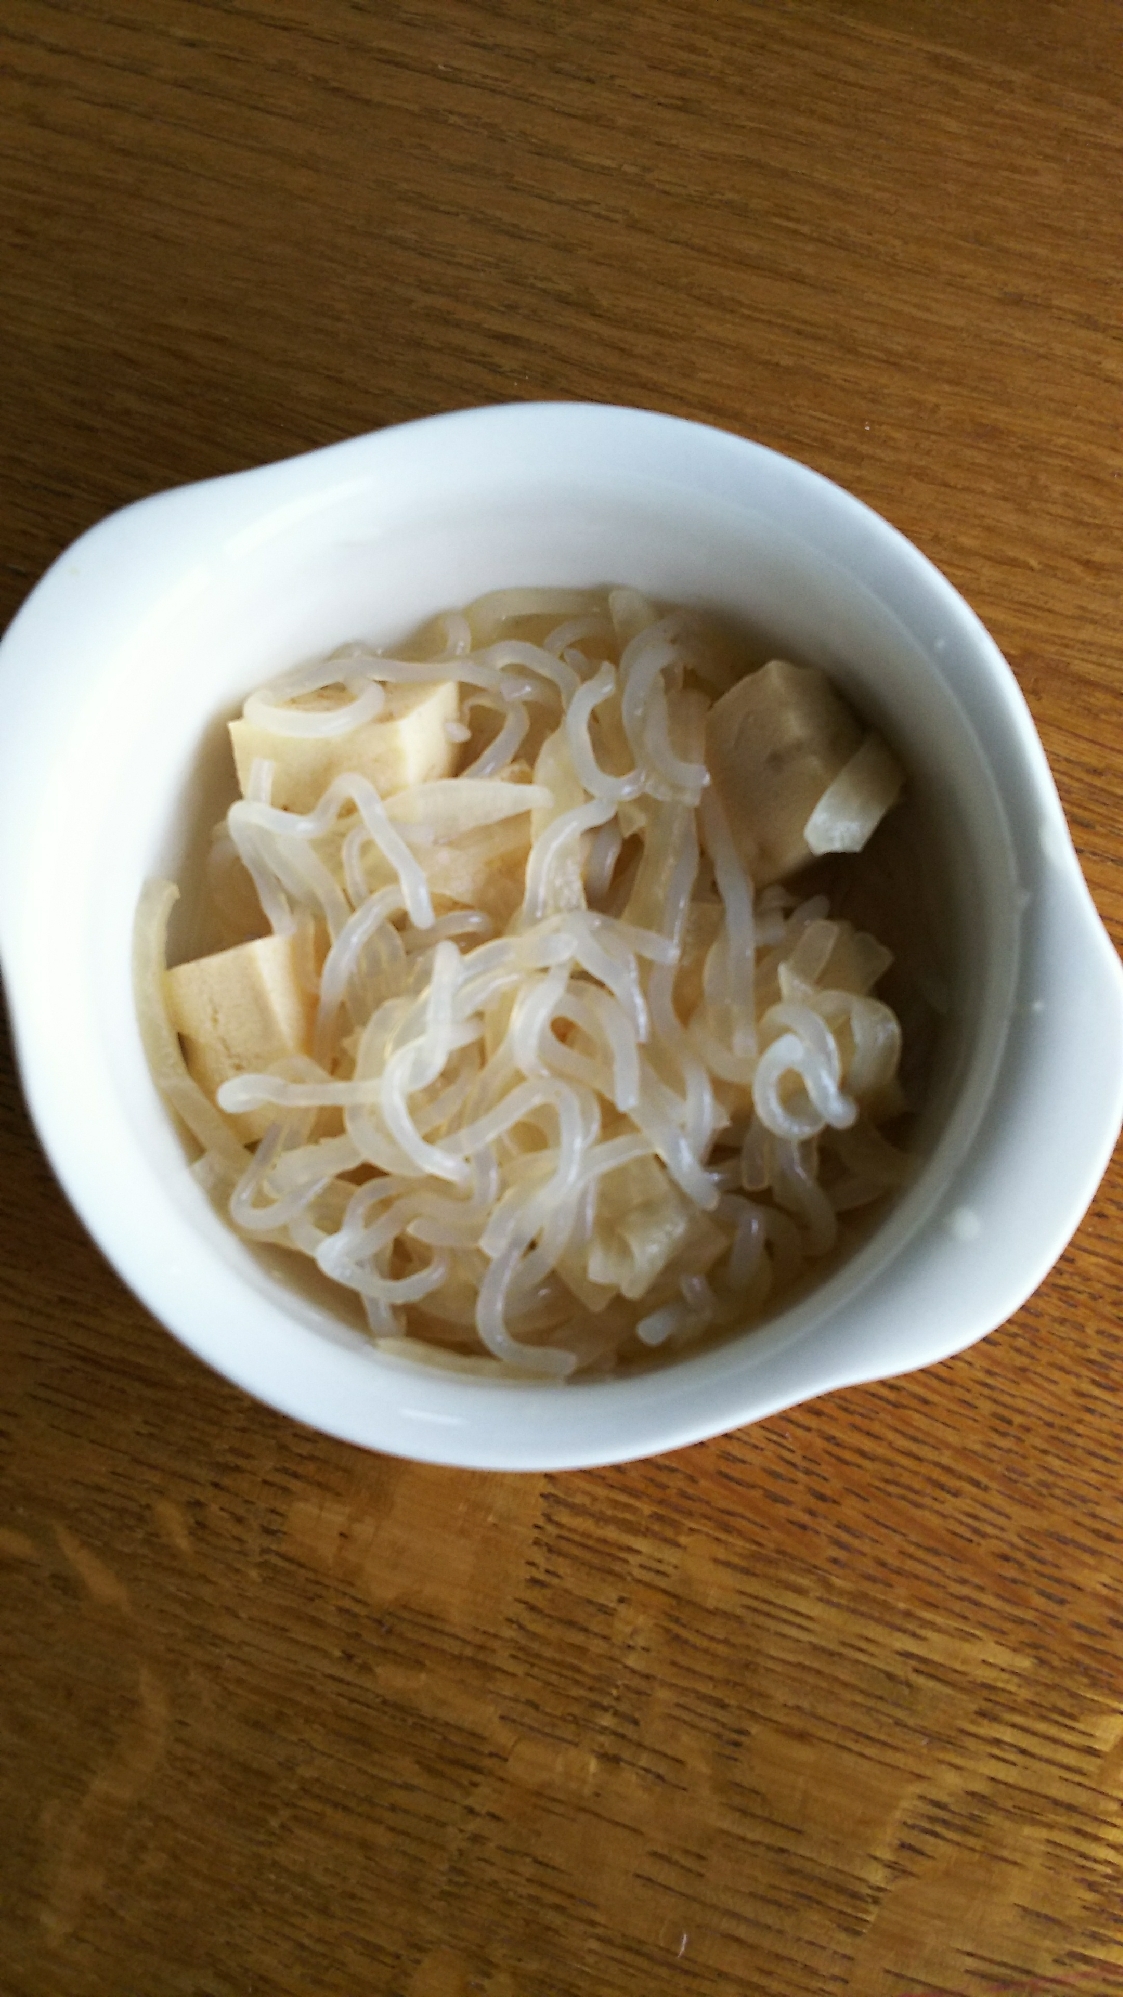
(571, 1090)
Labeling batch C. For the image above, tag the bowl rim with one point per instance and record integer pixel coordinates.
(430, 1416)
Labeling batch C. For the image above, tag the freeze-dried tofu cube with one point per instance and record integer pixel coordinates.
(408, 744)
(239, 1011)
(775, 743)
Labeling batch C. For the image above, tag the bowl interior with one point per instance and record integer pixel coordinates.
(291, 596)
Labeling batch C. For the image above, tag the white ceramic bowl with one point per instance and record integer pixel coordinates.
(115, 679)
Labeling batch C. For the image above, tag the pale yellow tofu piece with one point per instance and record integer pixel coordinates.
(774, 743)
(239, 1011)
(408, 744)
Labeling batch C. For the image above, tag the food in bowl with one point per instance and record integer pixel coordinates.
(529, 1024)
(114, 765)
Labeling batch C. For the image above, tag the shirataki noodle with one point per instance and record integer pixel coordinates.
(618, 1113)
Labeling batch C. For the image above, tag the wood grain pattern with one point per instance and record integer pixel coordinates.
(834, 1704)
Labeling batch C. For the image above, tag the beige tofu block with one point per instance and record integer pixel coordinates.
(239, 1011)
(774, 743)
(408, 744)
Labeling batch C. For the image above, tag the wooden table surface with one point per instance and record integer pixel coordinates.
(834, 1704)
